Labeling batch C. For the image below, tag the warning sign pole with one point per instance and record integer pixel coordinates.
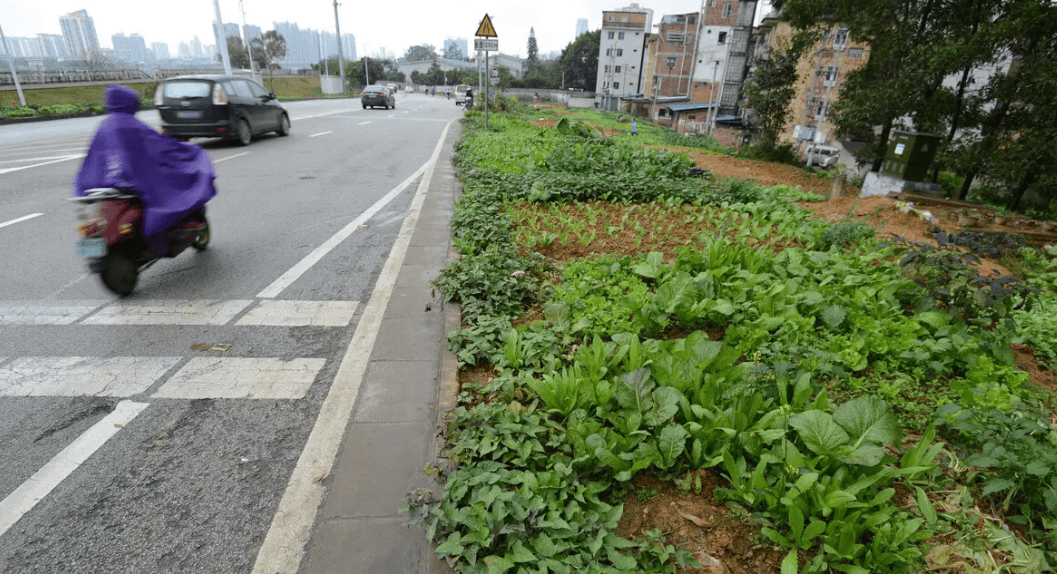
(486, 30)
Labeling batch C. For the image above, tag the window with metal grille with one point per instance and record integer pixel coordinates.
(609, 36)
(675, 38)
(617, 69)
(727, 10)
(855, 53)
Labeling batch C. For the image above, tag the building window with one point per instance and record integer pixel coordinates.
(855, 53)
(620, 51)
(616, 85)
(620, 35)
(623, 18)
(711, 3)
(605, 85)
(727, 9)
(609, 51)
(610, 17)
(617, 70)
(692, 20)
(610, 35)
(722, 38)
(606, 68)
(675, 38)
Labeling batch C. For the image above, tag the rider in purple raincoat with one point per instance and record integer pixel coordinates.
(174, 179)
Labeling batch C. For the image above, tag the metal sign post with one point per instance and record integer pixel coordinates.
(487, 41)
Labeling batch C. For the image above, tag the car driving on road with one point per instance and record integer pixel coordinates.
(374, 96)
(230, 107)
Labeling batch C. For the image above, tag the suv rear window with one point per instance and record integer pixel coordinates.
(188, 89)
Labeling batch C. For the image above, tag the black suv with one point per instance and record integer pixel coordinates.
(231, 107)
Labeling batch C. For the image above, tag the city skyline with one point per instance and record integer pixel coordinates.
(375, 28)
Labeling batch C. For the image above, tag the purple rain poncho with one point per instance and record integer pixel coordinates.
(173, 178)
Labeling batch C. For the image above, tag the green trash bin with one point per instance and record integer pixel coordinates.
(910, 155)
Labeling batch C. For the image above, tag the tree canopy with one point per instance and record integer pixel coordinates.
(421, 52)
(979, 73)
(579, 61)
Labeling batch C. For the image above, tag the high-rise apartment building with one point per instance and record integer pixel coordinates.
(130, 48)
(52, 46)
(161, 50)
(78, 32)
(581, 27)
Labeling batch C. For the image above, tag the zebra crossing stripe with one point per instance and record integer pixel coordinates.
(46, 313)
(82, 376)
(168, 313)
(260, 313)
(241, 378)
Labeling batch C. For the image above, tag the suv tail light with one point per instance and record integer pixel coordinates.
(219, 97)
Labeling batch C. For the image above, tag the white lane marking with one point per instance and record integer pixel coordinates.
(266, 313)
(20, 219)
(321, 115)
(26, 496)
(25, 159)
(242, 378)
(284, 546)
(320, 252)
(231, 157)
(270, 313)
(37, 313)
(82, 376)
(168, 313)
(364, 123)
(320, 134)
(11, 169)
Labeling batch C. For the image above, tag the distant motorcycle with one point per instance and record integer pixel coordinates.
(110, 222)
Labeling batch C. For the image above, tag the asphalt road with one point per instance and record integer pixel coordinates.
(156, 433)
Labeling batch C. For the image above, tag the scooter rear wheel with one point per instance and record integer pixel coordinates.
(120, 272)
(202, 240)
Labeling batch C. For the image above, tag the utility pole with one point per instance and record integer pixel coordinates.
(341, 56)
(11, 64)
(712, 91)
(249, 45)
(367, 69)
(222, 39)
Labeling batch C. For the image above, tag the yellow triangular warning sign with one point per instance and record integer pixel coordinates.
(486, 29)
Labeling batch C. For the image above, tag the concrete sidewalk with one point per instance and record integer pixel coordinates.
(394, 429)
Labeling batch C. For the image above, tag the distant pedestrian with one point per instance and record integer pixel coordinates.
(433, 92)
(634, 127)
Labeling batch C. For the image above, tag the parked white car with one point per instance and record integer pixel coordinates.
(822, 155)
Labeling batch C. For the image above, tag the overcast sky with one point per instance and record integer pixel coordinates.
(390, 25)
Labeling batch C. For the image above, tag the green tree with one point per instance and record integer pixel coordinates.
(579, 62)
(358, 73)
(770, 91)
(533, 58)
(420, 53)
(273, 47)
(237, 54)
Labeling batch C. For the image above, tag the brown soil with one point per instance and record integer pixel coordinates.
(694, 521)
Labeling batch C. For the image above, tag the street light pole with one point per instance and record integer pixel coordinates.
(11, 64)
(341, 55)
(222, 39)
(249, 47)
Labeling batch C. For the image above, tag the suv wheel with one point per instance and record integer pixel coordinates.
(244, 134)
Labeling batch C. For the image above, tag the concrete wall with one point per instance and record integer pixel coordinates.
(573, 99)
